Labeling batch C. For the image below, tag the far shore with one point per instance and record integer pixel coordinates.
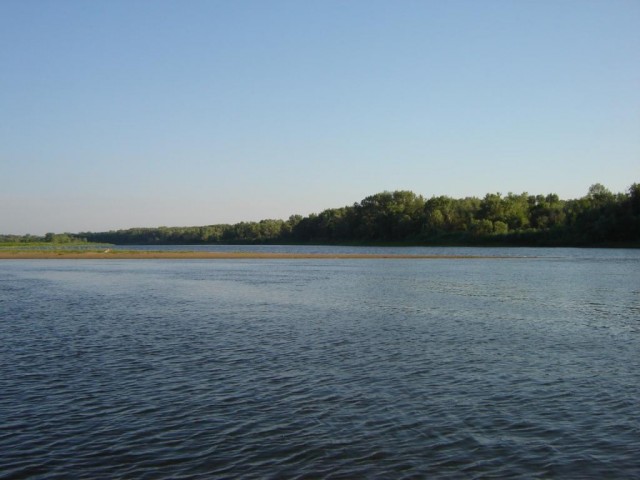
(151, 255)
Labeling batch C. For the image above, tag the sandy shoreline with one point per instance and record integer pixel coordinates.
(128, 255)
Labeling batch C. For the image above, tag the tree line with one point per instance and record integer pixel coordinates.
(403, 217)
(49, 238)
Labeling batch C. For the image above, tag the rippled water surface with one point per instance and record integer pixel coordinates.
(486, 368)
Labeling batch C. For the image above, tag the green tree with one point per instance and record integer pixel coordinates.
(500, 228)
(482, 228)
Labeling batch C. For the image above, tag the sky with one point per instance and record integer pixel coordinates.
(142, 113)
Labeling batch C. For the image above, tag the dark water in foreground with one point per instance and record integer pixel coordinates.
(522, 367)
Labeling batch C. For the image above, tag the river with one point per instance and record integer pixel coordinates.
(526, 366)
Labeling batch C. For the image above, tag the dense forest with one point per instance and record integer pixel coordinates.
(600, 218)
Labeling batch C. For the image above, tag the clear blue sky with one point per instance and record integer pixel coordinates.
(116, 114)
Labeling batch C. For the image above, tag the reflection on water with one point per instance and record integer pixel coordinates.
(321, 368)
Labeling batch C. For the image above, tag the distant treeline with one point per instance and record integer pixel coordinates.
(62, 238)
(600, 218)
(403, 217)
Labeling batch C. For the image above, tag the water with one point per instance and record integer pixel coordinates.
(519, 367)
(582, 253)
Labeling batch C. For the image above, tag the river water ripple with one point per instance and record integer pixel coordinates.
(525, 367)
